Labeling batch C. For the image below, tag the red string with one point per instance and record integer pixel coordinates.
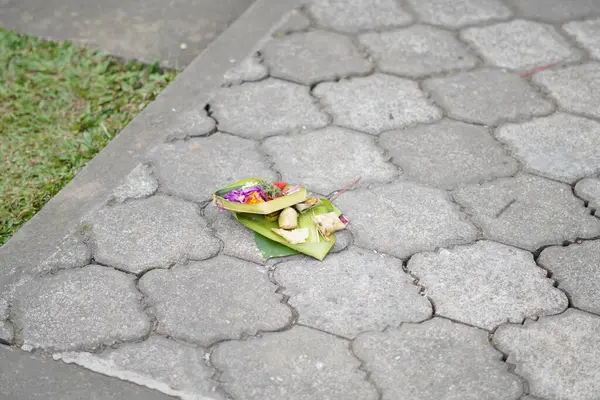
(538, 69)
(341, 191)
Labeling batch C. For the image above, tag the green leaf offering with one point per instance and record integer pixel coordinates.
(315, 246)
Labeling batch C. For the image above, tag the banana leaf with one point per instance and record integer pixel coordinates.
(315, 245)
(271, 249)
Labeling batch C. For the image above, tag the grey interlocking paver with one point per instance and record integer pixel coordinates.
(72, 252)
(437, 359)
(527, 211)
(576, 88)
(191, 123)
(249, 70)
(487, 96)
(352, 292)
(300, 158)
(266, 108)
(556, 10)
(486, 283)
(575, 268)
(587, 34)
(520, 44)
(456, 14)
(448, 154)
(589, 190)
(376, 103)
(417, 51)
(196, 168)
(558, 356)
(138, 184)
(294, 21)
(174, 368)
(153, 232)
(353, 16)
(300, 363)
(562, 146)
(315, 56)
(220, 298)
(405, 218)
(238, 241)
(79, 308)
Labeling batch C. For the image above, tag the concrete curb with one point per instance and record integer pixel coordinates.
(193, 88)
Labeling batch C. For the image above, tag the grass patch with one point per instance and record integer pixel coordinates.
(60, 104)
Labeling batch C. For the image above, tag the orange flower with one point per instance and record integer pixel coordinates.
(254, 198)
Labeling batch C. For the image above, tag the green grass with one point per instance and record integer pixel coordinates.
(59, 105)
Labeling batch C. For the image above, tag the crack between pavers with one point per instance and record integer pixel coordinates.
(511, 368)
(368, 375)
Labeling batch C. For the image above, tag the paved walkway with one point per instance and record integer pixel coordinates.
(469, 270)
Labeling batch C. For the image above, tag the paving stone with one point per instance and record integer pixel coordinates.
(300, 363)
(562, 146)
(352, 292)
(575, 268)
(238, 241)
(376, 103)
(81, 308)
(220, 298)
(556, 10)
(589, 190)
(249, 70)
(311, 57)
(487, 96)
(294, 21)
(417, 51)
(559, 356)
(576, 88)
(447, 154)
(196, 168)
(191, 123)
(520, 45)
(502, 284)
(154, 232)
(6, 332)
(404, 218)
(266, 108)
(174, 368)
(72, 252)
(436, 359)
(456, 14)
(138, 184)
(349, 154)
(353, 16)
(527, 211)
(587, 33)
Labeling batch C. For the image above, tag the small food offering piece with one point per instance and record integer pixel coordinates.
(328, 223)
(274, 216)
(296, 236)
(309, 203)
(288, 219)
